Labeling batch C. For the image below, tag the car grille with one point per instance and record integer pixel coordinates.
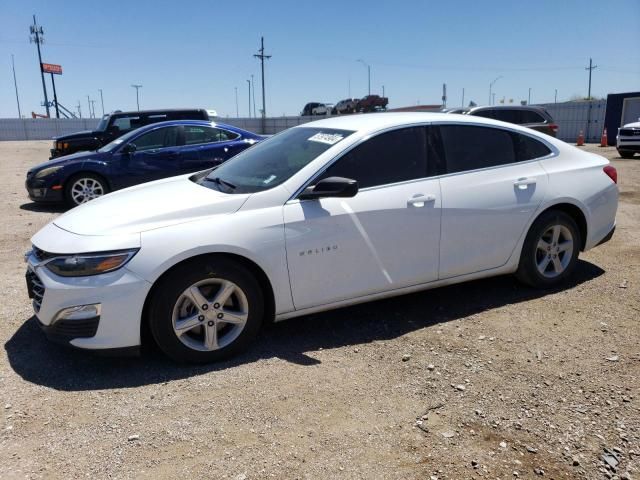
(630, 131)
(36, 289)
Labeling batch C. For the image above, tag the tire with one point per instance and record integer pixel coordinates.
(199, 334)
(94, 186)
(550, 251)
(626, 154)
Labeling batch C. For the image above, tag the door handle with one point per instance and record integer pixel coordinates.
(524, 182)
(419, 200)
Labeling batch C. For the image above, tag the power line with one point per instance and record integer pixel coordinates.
(262, 56)
(36, 37)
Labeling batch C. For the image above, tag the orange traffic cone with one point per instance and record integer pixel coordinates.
(580, 141)
(604, 142)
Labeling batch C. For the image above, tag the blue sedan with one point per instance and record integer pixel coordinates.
(149, 153)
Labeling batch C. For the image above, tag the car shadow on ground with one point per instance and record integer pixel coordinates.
(41, 362)
(44, 207)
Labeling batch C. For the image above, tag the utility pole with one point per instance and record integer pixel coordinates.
(555, 97)
(93, 108)
(591, 67)
(249, 84)
(529, 100)
(89, 106)
(36, 37)
(262, 56)
(101, 101)
(79, 110)
(237, 111)
(462, 105)
(55, 96)
(137, 87)
(368, 73)
(491, 87)
(383, 91)
(15, 84)
(253, 96)
(444, 95)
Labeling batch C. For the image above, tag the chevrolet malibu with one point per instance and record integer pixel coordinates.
(327, 214)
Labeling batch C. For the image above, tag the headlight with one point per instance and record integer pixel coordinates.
(83, 265)
(47, 171)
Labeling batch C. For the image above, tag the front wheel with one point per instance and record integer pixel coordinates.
(83, 188)
(206, 310)
(550, 250)
(624, 154)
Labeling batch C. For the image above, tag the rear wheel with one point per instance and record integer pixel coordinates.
(550, 250)
(206, 310)
(83, 188)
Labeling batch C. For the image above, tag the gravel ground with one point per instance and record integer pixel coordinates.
(486, 379)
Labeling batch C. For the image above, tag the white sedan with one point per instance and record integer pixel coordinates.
(327, 214)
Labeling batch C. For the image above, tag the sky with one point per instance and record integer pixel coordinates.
(197, 53)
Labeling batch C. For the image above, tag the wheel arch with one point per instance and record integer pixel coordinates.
(575, 212)
(254, 268)
(83, 171)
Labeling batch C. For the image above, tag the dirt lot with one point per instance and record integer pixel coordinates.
(487, 379)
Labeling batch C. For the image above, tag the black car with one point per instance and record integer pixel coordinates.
(116, 124)
(308, 108)
(527, 116)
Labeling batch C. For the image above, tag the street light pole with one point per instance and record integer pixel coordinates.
(137, 87)
(237, 112)
(529, 99)
(491, 87)
(368, 73)
(249, 85)
(555, 97)
(253, 96)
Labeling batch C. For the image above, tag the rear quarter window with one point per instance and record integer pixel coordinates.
(529, 116)
(528, 148)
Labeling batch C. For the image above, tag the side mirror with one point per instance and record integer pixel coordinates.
(129, 148)
(331, 187)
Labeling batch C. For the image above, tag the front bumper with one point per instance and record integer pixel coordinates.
(41, 191)
(120, 294)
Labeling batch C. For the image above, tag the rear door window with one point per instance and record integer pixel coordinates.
(508, 115)
(470, 147)
(194, 135)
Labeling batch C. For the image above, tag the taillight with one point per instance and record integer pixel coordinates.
(612, 173)
(554, 127)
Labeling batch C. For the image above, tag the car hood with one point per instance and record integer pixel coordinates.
(632, 125)
(68, 159)
(149, 206)
(82, 134)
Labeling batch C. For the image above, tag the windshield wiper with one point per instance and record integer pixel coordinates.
(219, 181)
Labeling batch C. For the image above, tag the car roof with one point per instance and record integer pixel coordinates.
(508, 107)
(154, 112)
(200, 123)
(369, 123)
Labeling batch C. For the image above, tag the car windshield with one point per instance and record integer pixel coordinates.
(102, 126)
(111, 146)
(269, 163)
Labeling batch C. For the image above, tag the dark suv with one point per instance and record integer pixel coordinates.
(527, 116)
(116, 124)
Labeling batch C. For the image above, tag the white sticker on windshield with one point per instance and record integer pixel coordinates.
(269, 179)
(328, 138)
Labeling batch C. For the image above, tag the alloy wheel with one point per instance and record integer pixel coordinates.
(554, 251)
(86, 189)
(210, 314)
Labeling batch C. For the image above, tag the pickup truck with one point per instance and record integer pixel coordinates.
(371, 103)
(116, 124)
